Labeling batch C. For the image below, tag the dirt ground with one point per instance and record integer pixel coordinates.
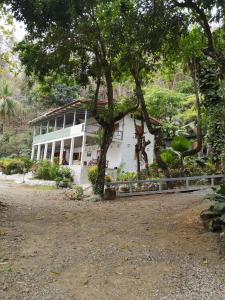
(151, 247)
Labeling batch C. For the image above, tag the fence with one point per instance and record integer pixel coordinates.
(165, 185)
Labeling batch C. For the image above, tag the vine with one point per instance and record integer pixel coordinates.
(214, 102)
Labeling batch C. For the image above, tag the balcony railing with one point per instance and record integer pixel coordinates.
(72, 131)
(95, 128)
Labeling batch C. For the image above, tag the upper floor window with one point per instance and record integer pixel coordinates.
(51, 125)
(37, 130)
(69, 119)
(44, 127)
(59, 122)
(80, 117)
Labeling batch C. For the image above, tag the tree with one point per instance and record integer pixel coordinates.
(75, 38)
(8, 105)
(210, 62)
(146, 27)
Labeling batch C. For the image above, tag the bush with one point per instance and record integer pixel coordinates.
(180, 144)
(92, 177)
(127, 176)
(214, 217)
(51, 171)
(78, 192)
(11, 166)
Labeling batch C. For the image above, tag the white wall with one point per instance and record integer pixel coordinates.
(128, 146)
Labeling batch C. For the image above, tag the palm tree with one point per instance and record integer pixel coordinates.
(8, 106)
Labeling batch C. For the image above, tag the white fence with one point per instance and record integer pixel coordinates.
(165, 185)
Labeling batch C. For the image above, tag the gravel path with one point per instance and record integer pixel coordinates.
(151, 247)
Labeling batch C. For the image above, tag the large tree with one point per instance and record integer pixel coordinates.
(208, 64)
(74, 37)
(147, 27)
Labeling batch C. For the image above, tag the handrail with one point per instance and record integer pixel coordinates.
(167, 179)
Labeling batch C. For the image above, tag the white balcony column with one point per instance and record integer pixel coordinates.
(40, 129)
(53, 152)
(64, 120)
(39, 152)
(55, 124)
(47, 129)
(61, 152)
(34, 131)
(32, 152)
(71, 151)
(83, 149)
(85, 120)
(45, 151)
(74, 118)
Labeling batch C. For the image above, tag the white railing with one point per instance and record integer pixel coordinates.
(60, 134)
(165, 185)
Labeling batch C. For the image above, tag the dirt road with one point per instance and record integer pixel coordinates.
(152, 247)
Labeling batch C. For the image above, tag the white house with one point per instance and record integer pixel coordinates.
(69, 134)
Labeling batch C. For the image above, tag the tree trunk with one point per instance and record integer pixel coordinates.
(108, 131)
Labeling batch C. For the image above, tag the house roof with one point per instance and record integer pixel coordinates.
(76, 104)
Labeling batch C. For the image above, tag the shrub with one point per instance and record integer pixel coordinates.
(78, 192)
(108, 178)
(51, 171)
(127, 176)
(180, 144)
(11, 166)
(214, 217)
(92, 177)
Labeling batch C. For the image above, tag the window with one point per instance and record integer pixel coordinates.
(37, 130)
(59, 122)
(76, 156)
(44, 126)
(80, 117)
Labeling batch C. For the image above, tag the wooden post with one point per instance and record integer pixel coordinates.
(71, 151)
(187, 183)
(212, 182)
(160, 186)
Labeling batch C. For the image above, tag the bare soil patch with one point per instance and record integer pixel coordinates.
(151, 247)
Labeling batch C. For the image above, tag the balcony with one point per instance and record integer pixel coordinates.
(94, 129)
(60, 134)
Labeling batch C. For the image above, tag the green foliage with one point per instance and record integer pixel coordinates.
(169, 157)
(180, 144)
(185, 87)
(127, 176)
(164, 103)
(54, 91)
(214, 95)
(214, 217)
(92, 177)
(11, 166)
(16, 143)
(48, 171)
(78, 192)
